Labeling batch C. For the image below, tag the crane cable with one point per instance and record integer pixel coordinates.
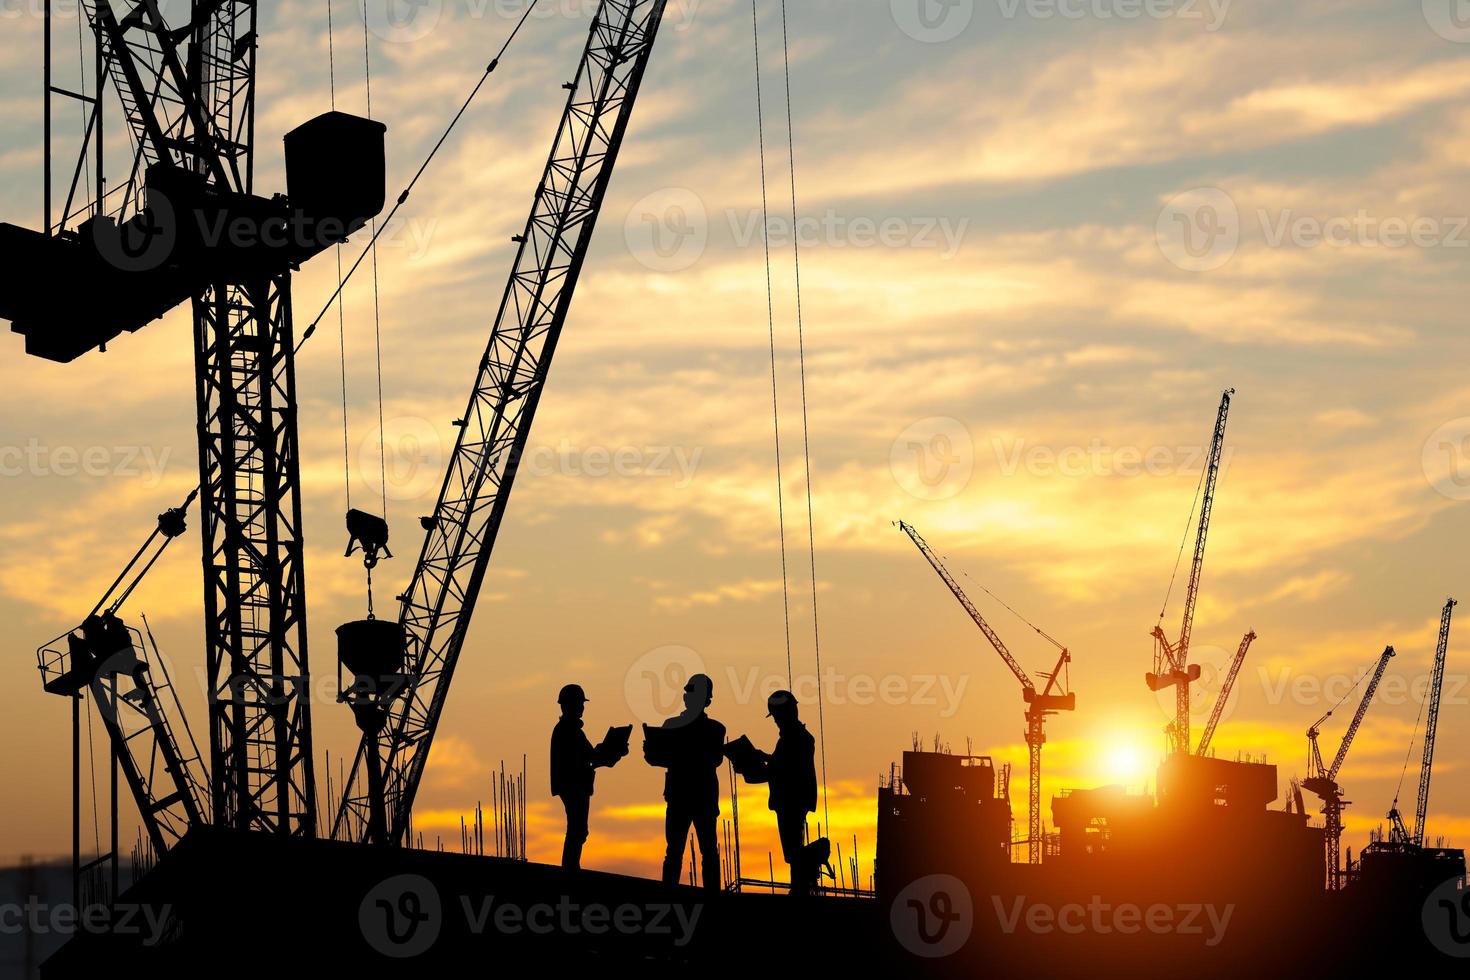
(367, 74)
(1184, 541)
(806, 445)
(307, 334)
(760, 116)
(403, 197)
(1409, 755)
(801, 365)
(341, 317)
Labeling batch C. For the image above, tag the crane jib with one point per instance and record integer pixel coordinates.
(461, 533)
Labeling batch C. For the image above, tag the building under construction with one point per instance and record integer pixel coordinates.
(1213, 876)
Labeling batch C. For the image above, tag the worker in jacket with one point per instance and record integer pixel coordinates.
(791, 773)
(691, 747)
(574, 762)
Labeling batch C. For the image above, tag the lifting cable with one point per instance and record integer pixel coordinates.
(801, 363)
(760, 116)
(489, 69)
(806, 445)
(306, 335)
(1039, 631)
(341, 319)
(1188, 523)
(1409, 755)
(367, 74)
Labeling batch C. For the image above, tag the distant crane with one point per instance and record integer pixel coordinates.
(1322, 779)
(1225, 689)
(1171, 660)
(1399, 833)
(1039, 706)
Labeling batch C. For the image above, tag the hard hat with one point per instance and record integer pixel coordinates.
(701, 681)
(779, 700)
(571, 694)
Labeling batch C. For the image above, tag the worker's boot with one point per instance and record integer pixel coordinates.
(709, 870)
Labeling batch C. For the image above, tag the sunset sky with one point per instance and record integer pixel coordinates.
(1038, 240)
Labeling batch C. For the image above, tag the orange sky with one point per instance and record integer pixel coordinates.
(1016, 340)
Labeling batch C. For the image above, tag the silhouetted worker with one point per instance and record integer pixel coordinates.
(691, 746)
(574, 762)
(791, 772)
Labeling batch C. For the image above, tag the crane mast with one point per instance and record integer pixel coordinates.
(1039, 706)
(1219, 710)
(1171, 659)
(1322, 779)
(142, 247)
(1431, 728)
(460, 534)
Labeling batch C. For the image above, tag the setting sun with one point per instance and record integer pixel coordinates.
(1124, 761)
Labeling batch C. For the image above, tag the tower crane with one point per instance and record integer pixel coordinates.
(436, 608)
(1322, 779)
(1219, 710)
(168, 233)
(1038, 705)
(1398, 832)
(1171, 658)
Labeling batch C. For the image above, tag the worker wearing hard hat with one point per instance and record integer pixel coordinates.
(791, 773)
(574, 761)
(691, 746)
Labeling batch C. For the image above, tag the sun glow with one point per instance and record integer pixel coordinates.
(1124, 761)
